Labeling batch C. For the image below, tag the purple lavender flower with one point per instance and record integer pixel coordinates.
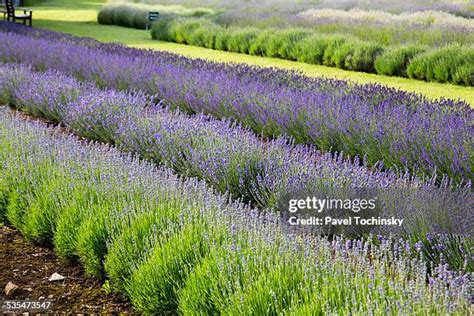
(418, 246)
(400, 129)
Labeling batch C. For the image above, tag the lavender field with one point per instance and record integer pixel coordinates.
(178, 246)
(376, 123)
(423, 40)
(170, 180)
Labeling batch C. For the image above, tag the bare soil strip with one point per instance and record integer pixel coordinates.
(29, 267)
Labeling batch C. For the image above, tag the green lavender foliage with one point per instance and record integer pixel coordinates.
(191, 251)
(394, 61)
(453, 63)
(136, 15)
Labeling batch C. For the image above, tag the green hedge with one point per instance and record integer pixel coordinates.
(452, 64)
(282, 44)
(312, 49)
(394, 62)
(136, 15)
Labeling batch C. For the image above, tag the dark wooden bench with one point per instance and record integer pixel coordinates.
(11, 15)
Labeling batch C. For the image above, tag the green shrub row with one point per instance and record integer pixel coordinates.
(394, 61)
(452, 64)
(136, 16)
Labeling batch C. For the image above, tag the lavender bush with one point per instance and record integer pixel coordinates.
(136, 16)
(457, 7)
(421, 28)
(447, 64)
(228, 157)
(422, 23)
(243, 263)
(292, 43)
(378, 123)
(431, 28)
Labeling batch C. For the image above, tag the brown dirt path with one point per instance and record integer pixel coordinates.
(29, 267)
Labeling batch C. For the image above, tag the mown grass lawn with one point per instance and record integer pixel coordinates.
(79, 18)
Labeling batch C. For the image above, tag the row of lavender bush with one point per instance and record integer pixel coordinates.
(431, 28)
(232, 159)
(175, 246)
(334, 50)
(136, 15)
(378, 123)
(279, 12)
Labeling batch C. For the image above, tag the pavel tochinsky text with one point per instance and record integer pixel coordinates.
(315, 211)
